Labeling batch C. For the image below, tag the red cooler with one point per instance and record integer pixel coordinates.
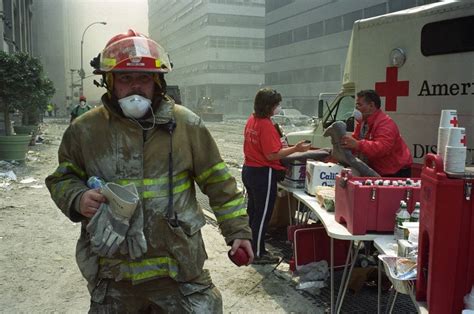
(446, 238)
(312, 244)
(370, 208)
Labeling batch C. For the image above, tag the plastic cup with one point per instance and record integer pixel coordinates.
(457, 137)
(442, 141)
(240, 257)
(455, 159)
(449, 118)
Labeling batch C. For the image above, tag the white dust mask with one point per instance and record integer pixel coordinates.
(135, 106)
(83, 104)
(357, 115)
(277, 110)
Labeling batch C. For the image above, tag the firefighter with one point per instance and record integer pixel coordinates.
(80, 109)
(140, 137)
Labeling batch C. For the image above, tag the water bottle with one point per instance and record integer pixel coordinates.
(469, 300)
(402, 216)
(415, 215)
(95, 182)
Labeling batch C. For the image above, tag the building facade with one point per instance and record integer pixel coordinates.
(306, 44)
(16, 25)
(217, 49)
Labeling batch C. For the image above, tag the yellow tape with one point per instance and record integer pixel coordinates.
(158, 63)
(109, 62)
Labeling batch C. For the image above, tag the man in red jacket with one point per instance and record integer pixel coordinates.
(377, 139)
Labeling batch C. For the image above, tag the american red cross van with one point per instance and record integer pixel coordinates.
(420, 61)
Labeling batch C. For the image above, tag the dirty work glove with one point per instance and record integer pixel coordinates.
(135, 245)
(111, 222)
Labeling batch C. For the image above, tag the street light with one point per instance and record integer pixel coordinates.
(81, 73)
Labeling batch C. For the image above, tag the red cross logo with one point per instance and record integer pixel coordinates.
(463, 140)
(392, 88)
(454, 121)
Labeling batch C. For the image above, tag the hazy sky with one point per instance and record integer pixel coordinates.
(120, 15)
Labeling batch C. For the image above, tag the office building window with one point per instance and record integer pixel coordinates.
(316, 30)
(350, 18)
(333, 25)
(332, 72)
(316, 74)
(271, 78)
(375, 10)
(301, 33)
(397, 5)
(286, 38)
(271, 5)
(236, 20)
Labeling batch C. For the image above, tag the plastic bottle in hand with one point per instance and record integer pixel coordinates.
(95, 182)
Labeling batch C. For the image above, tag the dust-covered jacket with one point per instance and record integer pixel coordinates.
(104, 143)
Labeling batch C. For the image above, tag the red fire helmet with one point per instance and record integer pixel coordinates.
(133, 51)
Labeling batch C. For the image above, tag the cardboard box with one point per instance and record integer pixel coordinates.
(296, 171)
(320, 174)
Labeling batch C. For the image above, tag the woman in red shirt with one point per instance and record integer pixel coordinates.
(263, 150)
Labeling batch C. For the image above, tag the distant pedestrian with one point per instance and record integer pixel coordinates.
(80, 109)
(50, 109)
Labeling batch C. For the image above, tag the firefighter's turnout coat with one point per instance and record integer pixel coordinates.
(104, 143)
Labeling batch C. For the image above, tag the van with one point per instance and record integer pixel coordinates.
(420, 61)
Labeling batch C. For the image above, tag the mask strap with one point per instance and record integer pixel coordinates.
(140, 125)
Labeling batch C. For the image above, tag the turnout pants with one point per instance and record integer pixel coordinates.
(163, 295)
(261, 186)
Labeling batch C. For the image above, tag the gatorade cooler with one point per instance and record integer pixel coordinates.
(372, 208)
(446, 238)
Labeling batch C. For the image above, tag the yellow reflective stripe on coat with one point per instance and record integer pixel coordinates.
(145, 269)
(229, 210)
(151, 188)
(66, 167)
(209, 172)
(207, 175)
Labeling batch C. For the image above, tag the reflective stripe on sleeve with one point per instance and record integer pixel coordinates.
(65, 168)
(229, 210)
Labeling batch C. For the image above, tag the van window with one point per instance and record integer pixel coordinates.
(456, 34)
(342, 111)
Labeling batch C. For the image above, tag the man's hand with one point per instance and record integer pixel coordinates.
(244, 244)
(347, 141)
(90, 202)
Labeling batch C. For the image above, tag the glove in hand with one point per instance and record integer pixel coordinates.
(107, 231)
(110, 224)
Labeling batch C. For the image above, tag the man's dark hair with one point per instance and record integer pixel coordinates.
(265, 100)
(370, 95)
